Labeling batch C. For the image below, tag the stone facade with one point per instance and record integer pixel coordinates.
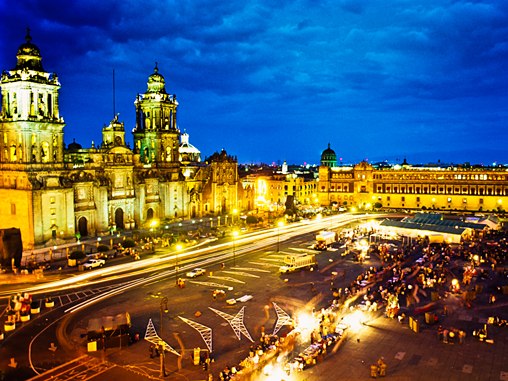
(443, 188)
(51, 193)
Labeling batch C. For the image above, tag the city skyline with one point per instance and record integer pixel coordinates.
(423, 81)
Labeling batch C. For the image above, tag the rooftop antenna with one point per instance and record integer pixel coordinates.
(114, 111)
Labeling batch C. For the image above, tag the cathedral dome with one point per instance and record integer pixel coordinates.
(156, 82)
(29, 55)
(74, 146)
(187, 151)
(328, 157)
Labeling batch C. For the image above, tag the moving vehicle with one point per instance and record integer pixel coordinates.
(295, 262)
(93, 263)
(325, 239)
(196, 272)
(242, 299)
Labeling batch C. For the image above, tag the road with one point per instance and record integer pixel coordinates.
(138, 288)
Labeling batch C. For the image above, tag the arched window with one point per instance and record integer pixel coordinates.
(119, 218)
(45, 152)
(83, 226)
(13, 156)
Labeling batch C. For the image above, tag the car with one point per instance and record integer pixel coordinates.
(93, 263)
(196, 272)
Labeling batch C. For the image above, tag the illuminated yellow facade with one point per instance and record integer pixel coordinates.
(414, 187)
(270, 191)
(52, 193)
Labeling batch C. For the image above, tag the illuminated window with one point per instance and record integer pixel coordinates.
(53, 211)
(52, 200)
(449, 199)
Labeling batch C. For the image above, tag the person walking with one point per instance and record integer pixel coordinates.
(374, 370)
(381, 367)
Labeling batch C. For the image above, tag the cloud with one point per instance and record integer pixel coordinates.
(355, 71)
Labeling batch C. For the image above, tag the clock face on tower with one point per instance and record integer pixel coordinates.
(118, 141)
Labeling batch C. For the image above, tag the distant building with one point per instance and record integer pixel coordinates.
(441, 188)
(271, 187)
(51, 193)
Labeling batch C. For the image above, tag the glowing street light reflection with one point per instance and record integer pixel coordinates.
(306, 322)
(355, 321)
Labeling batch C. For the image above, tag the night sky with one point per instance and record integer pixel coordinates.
(278, 80)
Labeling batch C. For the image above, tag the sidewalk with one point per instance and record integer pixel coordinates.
(419, 356)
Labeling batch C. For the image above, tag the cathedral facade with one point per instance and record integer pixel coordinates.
(52, 193)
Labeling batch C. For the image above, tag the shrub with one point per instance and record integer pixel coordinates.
(77, 254)
(251, 220)
(102, 248)
(128, 243)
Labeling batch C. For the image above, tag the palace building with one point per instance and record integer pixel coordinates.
(51, 192)
(438, 188)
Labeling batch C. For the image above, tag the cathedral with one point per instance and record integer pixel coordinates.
(52, 192)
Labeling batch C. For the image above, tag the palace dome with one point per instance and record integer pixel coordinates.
(328, 157)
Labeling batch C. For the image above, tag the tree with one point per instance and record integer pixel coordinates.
(290, 205)
(77, 254)
(102, 248)
(128, 243)
(251, 220)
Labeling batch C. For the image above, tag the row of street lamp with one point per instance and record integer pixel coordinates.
(235, 233)
(164, 300)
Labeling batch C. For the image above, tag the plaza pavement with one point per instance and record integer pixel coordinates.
(408, 355)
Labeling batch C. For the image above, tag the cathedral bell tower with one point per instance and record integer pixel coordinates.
(156, 135)
(31, 129)
(113, 135)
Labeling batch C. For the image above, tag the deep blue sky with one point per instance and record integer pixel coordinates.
(278, 80)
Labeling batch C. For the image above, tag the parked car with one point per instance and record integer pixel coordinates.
(196, 272)
(93, 263)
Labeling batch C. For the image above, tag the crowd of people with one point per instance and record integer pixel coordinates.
(414, 278)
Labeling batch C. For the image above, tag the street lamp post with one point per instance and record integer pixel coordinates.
(235, 234)
(234, 217)
(178, 248)
(163, 308)
(279, 225)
